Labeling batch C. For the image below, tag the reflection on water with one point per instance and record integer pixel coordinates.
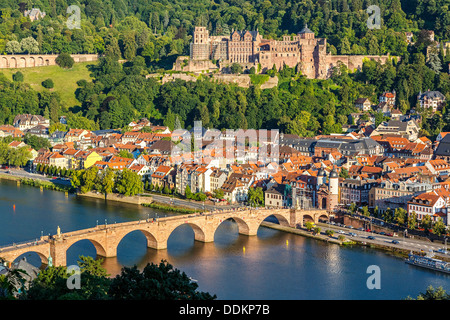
(271, 265)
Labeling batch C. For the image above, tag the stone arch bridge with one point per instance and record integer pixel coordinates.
(38, 60)
(106, 238)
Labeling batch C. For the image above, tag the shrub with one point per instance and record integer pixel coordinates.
(64, 60)
(48, 83)
(18, 76)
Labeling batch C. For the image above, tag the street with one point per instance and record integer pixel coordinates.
(28, 175)
(408, 244)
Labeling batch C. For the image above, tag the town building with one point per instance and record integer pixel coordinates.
(431, 99)
(34, 14)
(395, 194)
(363, 104)
(27, 121)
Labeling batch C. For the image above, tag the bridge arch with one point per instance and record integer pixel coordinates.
(244, 227)
(152, 241)
(323, 217)
(99, 247)
(42, 257)
(200, 234)
(282, 219)
(308, 217)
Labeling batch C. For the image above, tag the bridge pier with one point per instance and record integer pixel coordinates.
(157, 245)
(58, 253)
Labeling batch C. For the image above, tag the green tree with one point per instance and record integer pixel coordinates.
(236, 68)
(18, 76)
(129, 183)
(425, 223)
(188, 192)
(48, 83)
(65, 60)
(29, 45)
(309, 225)
(51, 283)
(255, 196)
(432, 294)
(155, 282)
(125, 154)
(412, 220)
(400, 216)
(218, 194)
(107, 181)
(439, 227)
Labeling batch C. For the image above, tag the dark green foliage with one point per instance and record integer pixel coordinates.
(48, 83)
(155, 282)
(151, 36)
(51, 283)
(64, 60)
(18, 76)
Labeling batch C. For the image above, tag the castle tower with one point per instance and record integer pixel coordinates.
(306, 33)
(200, 45)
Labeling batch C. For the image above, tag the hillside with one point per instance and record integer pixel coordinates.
(65, 80)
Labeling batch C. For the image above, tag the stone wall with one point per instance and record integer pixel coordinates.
(354, 62)
(39, 60)
(185, 64)
(117, 197)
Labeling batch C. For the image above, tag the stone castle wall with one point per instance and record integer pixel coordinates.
(16, 61)
(303, 51)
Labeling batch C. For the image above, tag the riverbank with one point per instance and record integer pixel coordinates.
(302, 232)
(138, 200)
(156, 205)
(387, 248)
(35, 182)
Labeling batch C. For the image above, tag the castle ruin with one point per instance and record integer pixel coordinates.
(249, 49)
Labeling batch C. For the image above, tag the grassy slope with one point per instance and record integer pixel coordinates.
(65, 80)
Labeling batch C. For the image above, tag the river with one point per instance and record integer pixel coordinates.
(273, 265)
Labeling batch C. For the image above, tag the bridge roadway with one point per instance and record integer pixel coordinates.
(107, 237)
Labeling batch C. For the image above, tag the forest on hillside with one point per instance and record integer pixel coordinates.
(151, 34)
(159, 29)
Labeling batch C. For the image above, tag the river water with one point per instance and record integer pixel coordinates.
(273, 265)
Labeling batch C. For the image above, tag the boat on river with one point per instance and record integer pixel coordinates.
(428, 262)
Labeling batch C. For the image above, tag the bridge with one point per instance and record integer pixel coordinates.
(38, 60)
(107, 237)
